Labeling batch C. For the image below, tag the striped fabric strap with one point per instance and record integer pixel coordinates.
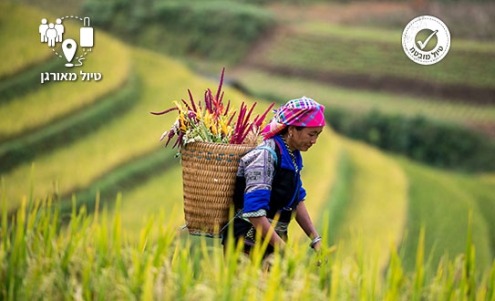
(272, 152)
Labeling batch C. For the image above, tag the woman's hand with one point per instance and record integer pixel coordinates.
(304, 220)
(316, 243)
(262, 224)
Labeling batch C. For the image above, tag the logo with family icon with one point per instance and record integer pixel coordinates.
(69, 46)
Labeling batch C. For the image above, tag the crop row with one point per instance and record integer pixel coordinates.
(28, 80)
(62, 132)
(124, 155)
(349, 52)
(440, 203)
(419, 205)
(17, 51)
(93, 259)
(272, 86)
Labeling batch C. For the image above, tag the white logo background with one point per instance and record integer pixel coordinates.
(417, 49)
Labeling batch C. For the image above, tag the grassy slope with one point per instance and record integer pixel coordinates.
(65, 131)
(133, 134)
(318, 175)
(323, 156)
(377, 207)
(440, 202)
(60, 99)
(161, 193)
(164, 193)
(361, 101)
(297, 49)
(18, 40)
(155, 195)
(91, 259)
(355, 50)
(331, 218)
(388, 200)
(483, 192)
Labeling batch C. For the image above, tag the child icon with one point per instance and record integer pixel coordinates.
(51, 35)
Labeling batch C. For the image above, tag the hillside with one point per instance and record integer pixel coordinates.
(355, 65)
(22, 57)
(99, 149)
(106, 166)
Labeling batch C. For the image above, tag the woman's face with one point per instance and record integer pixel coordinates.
(303, 139)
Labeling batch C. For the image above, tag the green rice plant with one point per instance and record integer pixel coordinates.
(490, 292)
(395, 277)
(483, 192)
(419, 277)
(90, 258)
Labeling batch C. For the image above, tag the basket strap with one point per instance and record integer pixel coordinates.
(238, 214)
(272, 152)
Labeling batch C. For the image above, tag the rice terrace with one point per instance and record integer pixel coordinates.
(401, 184)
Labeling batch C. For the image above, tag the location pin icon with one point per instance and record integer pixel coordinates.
(69, 46)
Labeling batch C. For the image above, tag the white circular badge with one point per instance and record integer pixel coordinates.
(426, 40)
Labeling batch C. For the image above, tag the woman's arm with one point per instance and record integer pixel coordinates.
(261, 223)
(304, 220)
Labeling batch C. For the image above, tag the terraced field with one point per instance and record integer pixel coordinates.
(358, 70)
(58, 100)
(21, 56)
(357, 193)
(364, 68)
(373, 58)
(441, 203)
(273, 86)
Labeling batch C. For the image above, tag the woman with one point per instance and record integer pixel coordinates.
(269, 190)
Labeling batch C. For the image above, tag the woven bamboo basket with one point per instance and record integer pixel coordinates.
(209, 173)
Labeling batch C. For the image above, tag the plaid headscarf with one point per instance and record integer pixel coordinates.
(303, 111)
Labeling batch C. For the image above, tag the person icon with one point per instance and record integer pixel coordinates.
(51, 35)
(60, 30)
(42, 30)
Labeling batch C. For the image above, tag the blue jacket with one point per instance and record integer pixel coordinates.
(267, 181)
